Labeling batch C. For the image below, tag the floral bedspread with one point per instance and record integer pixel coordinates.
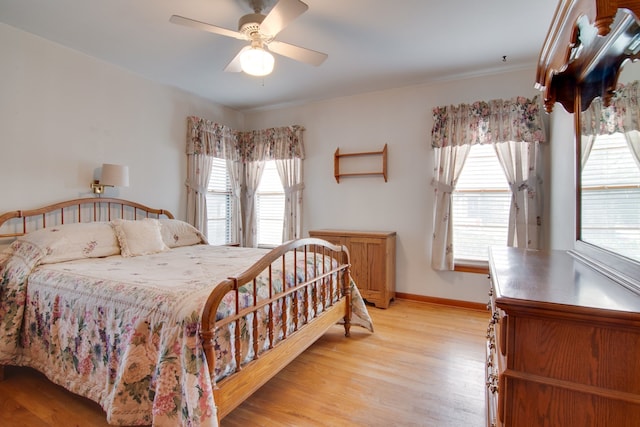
(124, 332)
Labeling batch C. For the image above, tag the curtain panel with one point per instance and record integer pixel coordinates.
(455, 130)
(205, 140)
(521, 164)
(448, 165)
(251, 180)
(245, 153)
(290, 172)
(236, 171)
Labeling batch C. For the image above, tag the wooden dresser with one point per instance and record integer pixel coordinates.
(563, 344)
(373, 261)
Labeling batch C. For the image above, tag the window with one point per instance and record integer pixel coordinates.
(270, 206)
(219, 204)
(610, 173)
(481, 204)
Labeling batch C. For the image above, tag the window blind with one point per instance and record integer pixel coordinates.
(481, 204)
(611, 196)
(270, 207)
(219, 203)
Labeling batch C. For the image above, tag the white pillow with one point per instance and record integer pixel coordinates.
(176, 233)
(74, 241)
(139, 237)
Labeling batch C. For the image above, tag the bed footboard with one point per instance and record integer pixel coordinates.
(310, 291)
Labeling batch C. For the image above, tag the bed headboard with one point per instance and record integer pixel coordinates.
(18, 223)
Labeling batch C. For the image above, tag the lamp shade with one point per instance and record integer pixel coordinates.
(115, 175)
(256, 61)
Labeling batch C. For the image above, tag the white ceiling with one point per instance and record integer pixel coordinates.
(372, 44)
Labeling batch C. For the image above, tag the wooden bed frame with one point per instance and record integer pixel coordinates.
(247, 378)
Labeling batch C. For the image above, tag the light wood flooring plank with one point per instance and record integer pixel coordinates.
(423, 366)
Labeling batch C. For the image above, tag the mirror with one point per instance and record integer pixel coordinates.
(590, 46)
(607, 123)
(610, 169)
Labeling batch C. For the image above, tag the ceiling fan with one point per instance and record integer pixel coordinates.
(261, 31)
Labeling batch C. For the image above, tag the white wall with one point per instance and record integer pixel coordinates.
(63, 114)
(563, 191)
(402, 119)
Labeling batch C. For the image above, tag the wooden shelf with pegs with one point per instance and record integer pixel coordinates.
(336, 163)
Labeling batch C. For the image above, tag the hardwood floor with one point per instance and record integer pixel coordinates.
(423, 366)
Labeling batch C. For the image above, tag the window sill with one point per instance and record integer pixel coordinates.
(466, 266)
(267, 246)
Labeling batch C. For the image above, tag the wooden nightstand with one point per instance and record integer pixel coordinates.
(373, 261)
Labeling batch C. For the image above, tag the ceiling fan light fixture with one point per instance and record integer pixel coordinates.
(256, 61)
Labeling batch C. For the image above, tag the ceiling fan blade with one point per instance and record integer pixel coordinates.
(281, 15)
(298, 53)
(234, 66)
(188, 22)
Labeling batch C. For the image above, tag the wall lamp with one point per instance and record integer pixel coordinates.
(111, 176)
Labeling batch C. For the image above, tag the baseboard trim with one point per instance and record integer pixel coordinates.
(443, 301)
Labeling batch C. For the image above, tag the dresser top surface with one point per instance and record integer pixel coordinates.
(555, 280)
(352, 233)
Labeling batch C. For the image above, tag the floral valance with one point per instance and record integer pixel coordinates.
(622, 115)
(484, 122)
(271, 144)
(209, 138)
(216, 140)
